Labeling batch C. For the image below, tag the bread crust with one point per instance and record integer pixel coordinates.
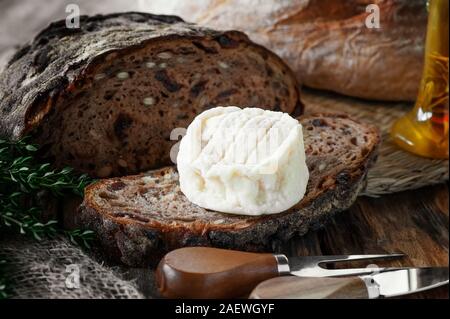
(139, 240)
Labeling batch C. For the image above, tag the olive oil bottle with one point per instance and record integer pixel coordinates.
(424, 130)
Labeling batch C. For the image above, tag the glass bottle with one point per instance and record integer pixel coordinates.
(424, 130)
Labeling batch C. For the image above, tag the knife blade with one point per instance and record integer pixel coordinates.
(407, 281)
(381, 285)
(205, 272)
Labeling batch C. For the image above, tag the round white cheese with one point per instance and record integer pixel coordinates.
(243, 161)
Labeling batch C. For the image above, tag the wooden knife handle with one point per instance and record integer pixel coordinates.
(203, 272)
(291, 287)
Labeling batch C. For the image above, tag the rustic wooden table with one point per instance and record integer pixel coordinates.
(412, 222)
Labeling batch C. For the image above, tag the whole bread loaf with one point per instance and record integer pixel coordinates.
(327, 43)
(140, 218)
(105, 97)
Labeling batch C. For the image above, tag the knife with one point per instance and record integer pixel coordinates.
(386, 284)
(204, 272)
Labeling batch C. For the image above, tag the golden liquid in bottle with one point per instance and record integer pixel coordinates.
(424, 130)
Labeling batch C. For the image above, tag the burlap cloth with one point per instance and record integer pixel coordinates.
(50, 268)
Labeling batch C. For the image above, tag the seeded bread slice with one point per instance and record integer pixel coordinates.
(140, 218)
(105, 97)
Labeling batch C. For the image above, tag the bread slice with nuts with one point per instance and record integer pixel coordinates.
(140, 218)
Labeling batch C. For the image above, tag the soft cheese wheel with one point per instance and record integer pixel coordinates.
(243, 161)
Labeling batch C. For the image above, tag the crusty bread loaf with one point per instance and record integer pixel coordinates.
(327, 42)
(104, 98)
(139, 218)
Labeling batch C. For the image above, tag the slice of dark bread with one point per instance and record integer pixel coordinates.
(105, 97)
(140, 218)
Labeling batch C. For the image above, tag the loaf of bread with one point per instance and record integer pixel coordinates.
(104, 98)
(140, 218)
(327, 43)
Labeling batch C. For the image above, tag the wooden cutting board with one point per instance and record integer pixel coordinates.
(412, 222)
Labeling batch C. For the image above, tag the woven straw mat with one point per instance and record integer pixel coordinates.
(395, 169)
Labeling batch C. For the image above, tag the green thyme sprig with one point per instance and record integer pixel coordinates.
(23, 181)
(80, 237)
(18, 166)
